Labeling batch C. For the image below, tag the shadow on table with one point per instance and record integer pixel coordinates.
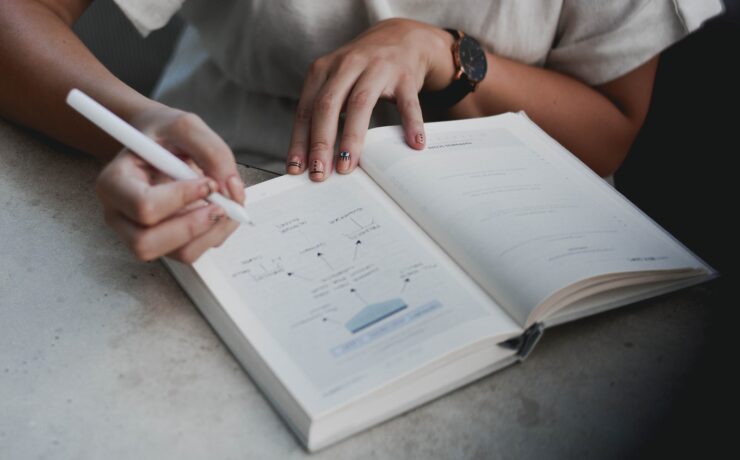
(679, 172)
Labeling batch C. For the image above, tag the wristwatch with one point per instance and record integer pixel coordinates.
(470, 69)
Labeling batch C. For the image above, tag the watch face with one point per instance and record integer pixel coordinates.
(472, 59)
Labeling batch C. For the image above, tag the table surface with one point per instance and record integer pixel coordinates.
(102, 356)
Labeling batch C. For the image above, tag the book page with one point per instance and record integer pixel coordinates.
(515, 210)
(347, 292)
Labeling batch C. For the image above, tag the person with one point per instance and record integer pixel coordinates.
(266, 78)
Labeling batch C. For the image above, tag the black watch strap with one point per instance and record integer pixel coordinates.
(455, 33)
(454, 93)
(447, 97)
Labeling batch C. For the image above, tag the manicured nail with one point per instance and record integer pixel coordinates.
(420, 138)
(317, 168)
(343, 161)
(295, 165)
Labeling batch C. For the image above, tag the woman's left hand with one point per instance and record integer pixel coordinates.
(392, 60)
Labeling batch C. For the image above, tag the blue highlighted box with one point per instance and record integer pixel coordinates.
(373, 313)
(385, 329)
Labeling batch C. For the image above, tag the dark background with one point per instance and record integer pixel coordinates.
(681, 172)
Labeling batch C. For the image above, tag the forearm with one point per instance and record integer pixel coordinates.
(42, 59)
(588, 121)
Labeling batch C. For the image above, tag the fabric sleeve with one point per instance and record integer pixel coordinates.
(598, 41)
(149, 15)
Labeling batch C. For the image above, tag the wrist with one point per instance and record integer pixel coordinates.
(441, 66)
(469, 69)
(131, 106)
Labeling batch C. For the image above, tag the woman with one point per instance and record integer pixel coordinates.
(582, 70)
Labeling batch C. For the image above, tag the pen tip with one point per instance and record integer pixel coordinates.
(244, 217)
(234, 210)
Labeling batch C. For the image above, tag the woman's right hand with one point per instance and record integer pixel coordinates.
(156, 216)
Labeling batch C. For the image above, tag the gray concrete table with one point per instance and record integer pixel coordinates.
(102, 356)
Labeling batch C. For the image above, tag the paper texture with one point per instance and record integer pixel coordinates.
(354, 294)
(519, 219)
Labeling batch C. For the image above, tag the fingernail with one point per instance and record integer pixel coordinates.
(317, 169)
(343, 161)
(204, 190)
(420, 138)
(235, 184)
(211, 186)
(216, 215)
(294, 166)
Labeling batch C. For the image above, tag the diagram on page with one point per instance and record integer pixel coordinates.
(343, 284)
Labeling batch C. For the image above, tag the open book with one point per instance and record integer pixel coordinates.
(356, 299)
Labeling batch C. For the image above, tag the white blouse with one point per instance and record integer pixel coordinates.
(240, 64)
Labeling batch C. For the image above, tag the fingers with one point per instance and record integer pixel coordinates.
(298, 150)
(212, 238)
(360, 105)
(388, 61)
(149, 243)
(407, 101)
(235, 188)
(325, 117)
(156, 218)
(124, 186)
(189, 134)
(315, 126)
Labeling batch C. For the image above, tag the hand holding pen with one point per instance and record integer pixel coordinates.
(152, 215)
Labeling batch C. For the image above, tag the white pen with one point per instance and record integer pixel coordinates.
(146, 148)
